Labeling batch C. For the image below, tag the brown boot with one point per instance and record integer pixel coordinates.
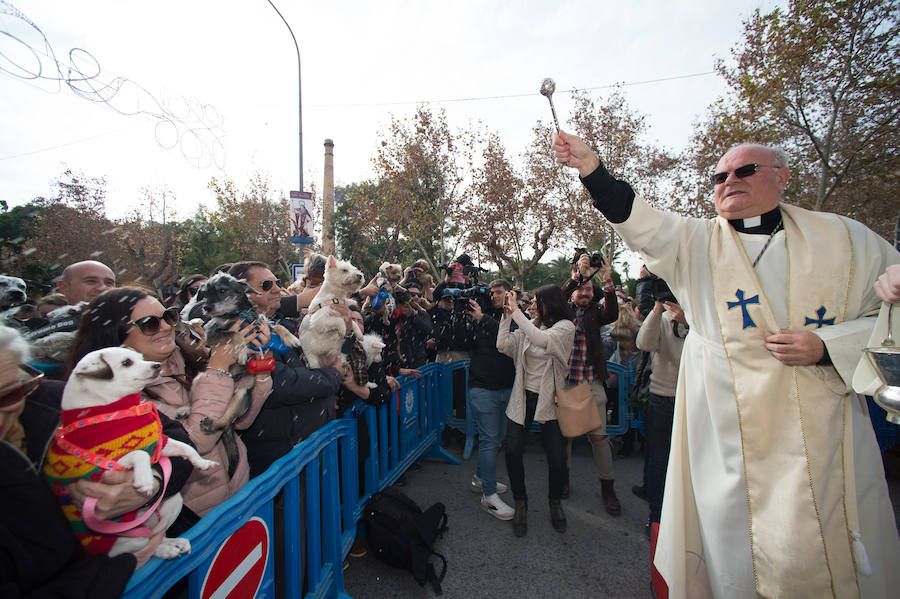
(557, 516)
(610, 501)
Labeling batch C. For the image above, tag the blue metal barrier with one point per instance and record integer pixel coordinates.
(233, 546)
(625, 377)
(212, 569)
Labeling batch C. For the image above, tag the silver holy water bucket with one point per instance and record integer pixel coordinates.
(886, 362)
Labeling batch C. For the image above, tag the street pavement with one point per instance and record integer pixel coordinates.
(598, 556)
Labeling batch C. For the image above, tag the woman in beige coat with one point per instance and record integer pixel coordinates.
(540, 350)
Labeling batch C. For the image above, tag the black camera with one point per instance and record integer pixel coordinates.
(461, 297)
(597, 259)
(661, 292)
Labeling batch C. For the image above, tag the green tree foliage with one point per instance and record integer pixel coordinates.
(821, 79)
(205, 246)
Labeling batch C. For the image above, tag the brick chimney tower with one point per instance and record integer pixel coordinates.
(328, 200)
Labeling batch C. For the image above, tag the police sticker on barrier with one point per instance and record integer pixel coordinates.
(409, 400)
(238, 567)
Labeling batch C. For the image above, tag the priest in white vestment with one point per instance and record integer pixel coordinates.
(775, 485)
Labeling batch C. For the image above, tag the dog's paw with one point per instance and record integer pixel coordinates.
(203, 464)
(372, 385)
(143, 482)
(208, 425)
(172, 548)
(182, 412)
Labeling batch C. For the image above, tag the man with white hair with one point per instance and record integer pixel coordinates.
(775, 485)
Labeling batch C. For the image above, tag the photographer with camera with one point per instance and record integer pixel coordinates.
(413, 327)
(453, 327)
(587, 361)
(452, 337)
(491, 376)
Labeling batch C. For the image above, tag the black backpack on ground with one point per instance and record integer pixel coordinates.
(400, 533)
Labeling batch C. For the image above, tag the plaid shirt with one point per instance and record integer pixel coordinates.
(580, 369)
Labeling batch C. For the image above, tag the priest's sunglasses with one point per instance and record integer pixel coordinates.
(25, 386)
(268, 284)
(149, 325)
(741, 172)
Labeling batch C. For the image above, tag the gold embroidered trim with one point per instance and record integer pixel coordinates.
(737, 406)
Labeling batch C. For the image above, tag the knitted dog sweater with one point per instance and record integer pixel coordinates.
(88, 442)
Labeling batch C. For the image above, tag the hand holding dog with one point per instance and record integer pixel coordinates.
(392, 383)
(144, 554)
(115, 493)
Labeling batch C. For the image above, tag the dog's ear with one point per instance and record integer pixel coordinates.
(247, 288)
(331, 262)
(103, 372)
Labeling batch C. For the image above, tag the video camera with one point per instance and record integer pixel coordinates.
(597, 259)
(461, 297)
(661, 292)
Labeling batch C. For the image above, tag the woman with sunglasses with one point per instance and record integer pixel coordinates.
(133, 317)
(189, 288)
(39, 553)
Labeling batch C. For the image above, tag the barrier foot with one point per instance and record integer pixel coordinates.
(439, 453)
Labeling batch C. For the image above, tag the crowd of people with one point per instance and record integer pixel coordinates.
(752, 435)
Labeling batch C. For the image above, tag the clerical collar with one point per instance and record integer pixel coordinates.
(763, 224)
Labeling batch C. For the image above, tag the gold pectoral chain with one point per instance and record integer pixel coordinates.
(768, 241)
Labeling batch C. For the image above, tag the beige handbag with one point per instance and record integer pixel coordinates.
(576, 410)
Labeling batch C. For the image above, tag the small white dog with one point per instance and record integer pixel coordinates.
(105, 425)
(322, 332)
(372, 344)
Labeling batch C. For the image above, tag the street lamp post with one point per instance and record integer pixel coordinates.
(299, 94)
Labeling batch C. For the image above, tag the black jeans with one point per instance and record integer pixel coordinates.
(554, 445)
(660, 411)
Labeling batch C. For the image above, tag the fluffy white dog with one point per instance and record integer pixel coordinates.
(322, 332)
(105, 425)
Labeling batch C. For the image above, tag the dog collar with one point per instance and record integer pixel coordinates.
(67, 417)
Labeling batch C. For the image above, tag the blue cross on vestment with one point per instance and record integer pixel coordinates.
(822, 320)
(748, 322)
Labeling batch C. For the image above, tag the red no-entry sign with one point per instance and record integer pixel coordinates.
(237, 569)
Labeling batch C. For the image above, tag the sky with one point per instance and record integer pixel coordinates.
(224, 74)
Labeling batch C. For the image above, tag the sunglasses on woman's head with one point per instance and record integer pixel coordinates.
(25, 386)
(268, 284)
(741, 172)
(149, 325)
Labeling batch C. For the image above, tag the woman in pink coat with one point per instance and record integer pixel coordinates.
(135, 318)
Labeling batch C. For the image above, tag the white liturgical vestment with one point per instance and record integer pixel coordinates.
(775, 486)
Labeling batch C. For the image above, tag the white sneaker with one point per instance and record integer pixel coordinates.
(476, 485)
(496, 508)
